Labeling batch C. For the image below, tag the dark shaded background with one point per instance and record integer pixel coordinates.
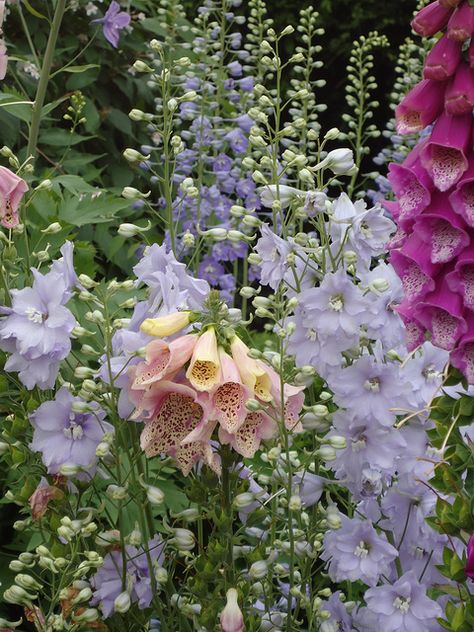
(344, 21)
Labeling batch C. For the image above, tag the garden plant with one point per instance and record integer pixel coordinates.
(237, 344)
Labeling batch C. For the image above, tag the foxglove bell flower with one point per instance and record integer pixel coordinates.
(204, 370)
(459, 95)
(431, 19)
(12, 189)
(420, 107)
(461, 22)
(443, 59)
(231, 617)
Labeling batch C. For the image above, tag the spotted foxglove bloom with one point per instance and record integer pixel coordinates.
(403, 606)
(66, 437)
(163, 360)
(420, 107)
(108, 582)
(204, 372)
(12, 189)
(113, 22)
(357, 552)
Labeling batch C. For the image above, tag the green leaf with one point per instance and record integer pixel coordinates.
(61, 138)
(74, 184)
(90, 210)
(78, 69)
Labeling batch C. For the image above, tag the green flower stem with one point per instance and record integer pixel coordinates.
(44, 77)
(227, 533)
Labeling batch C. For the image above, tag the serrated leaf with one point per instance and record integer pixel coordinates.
(90, 210)
(74, 184)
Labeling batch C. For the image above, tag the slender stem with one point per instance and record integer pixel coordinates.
(227, 504)
(44, 77)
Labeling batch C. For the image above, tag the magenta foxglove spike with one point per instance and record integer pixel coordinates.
(443, 59)
(412, 186)
(461, 23)
(443, 230)
(414, 330)
(449, 4)
(470, 54)
(462, 198)
(461, 279)
(444, 156)
(463, 356)
(420, 107)
(415, 268)
(431, 19)
(441, 312)
(459, 96)
(397, 240)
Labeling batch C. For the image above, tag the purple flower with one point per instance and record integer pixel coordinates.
(64, 436)
(222, 164)
(109, 581)
(274, 252)
(211, 270)
(340, 619)
(357, 552)
(37, 327)
(403, 606)
(237, 140)
(113, 22)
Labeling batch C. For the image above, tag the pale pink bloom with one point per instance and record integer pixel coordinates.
(179, 412)
(12, 189)
(230, 396)
(204, 370)
(163, 360)
(41, 497)
(253, 373)
(232, 619)
(256, 428)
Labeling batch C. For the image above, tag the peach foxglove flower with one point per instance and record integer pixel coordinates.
(166, 325)
(256, 428)
(232, 619)
(253, 373)
(204, 370)
(163, 360)
(230, 396)
(12, 189)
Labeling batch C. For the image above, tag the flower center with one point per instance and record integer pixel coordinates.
(34, 315)
(74, 431)
(402, 604)
(361, 550)
(373, 384)
(430, 373)
(336, 302)
(366, 230)
(311, 335)
(359, 443)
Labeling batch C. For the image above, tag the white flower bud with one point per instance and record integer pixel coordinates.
(27, 582)
(16, 566)
(132, 155)
(69, 469)
(138, 115)
(339, 161)
(130, 193)
(52, 229)
(295, 503)
(379, 285)
(258, 570)
(217, 234)
(18, 595)
(183, 539)
(254, 259)
(83, 595)
(288, 30)
(161, 575)
(332, 134)
(338, 442)
(155, 495)
(116, 492)
(95, 317)
(122, 603)
(141, 66)
(253, 405)
(88, 615)
(327, 453)
(45, 185)
(187, 515)
(243, 500)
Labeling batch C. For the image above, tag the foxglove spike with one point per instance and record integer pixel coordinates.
(459, 96)
(462, 198)
(431, 19)
(443, 59)
(420, 107)
(461, 279)
(461, 23)
(415, 269)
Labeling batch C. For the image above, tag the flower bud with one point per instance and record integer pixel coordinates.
(116, 492)
(27, 582)
(231, 617)
(132, 155)
(332, 134)
(88, 615)
(338, 442)
(339, 161)
(327, 453)
(44, 185)
(141, 66)
(52, 229)
(155, 495)
(161, 575)
(83, 595)
(295, 503)
(258, 570)
(122, 603)
(166, 325)
(243, 500)
(138, 115)
(183, 539)
(129, 193)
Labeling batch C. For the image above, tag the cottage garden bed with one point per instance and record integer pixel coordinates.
(237, 360)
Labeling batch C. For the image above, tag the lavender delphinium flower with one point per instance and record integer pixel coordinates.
(65, 436)
(403, 606)
(108, 582)
(357, 552)
(37, 328)
(113, 22)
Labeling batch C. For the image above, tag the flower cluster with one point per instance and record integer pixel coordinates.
(431, 251)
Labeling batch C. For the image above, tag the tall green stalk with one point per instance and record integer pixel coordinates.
(44, 77)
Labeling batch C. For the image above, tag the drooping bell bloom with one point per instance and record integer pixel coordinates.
(41, 497)
(420, 107)
(444, 156)
(443, 230)
(257, 427)
(178, 413)
(461, 279)
(459, 96)
(231, 618)
(163, 360)
(412, 186)
(463, 359)
(253, 373)
(461, 23)
(462, 198)
(414, 330)
(230, 396)
(414, 267)
(204, 370)
(166, 325)
(3, 59)
(443, 59)
(441, 312)
(431, 19)
(12, 189)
